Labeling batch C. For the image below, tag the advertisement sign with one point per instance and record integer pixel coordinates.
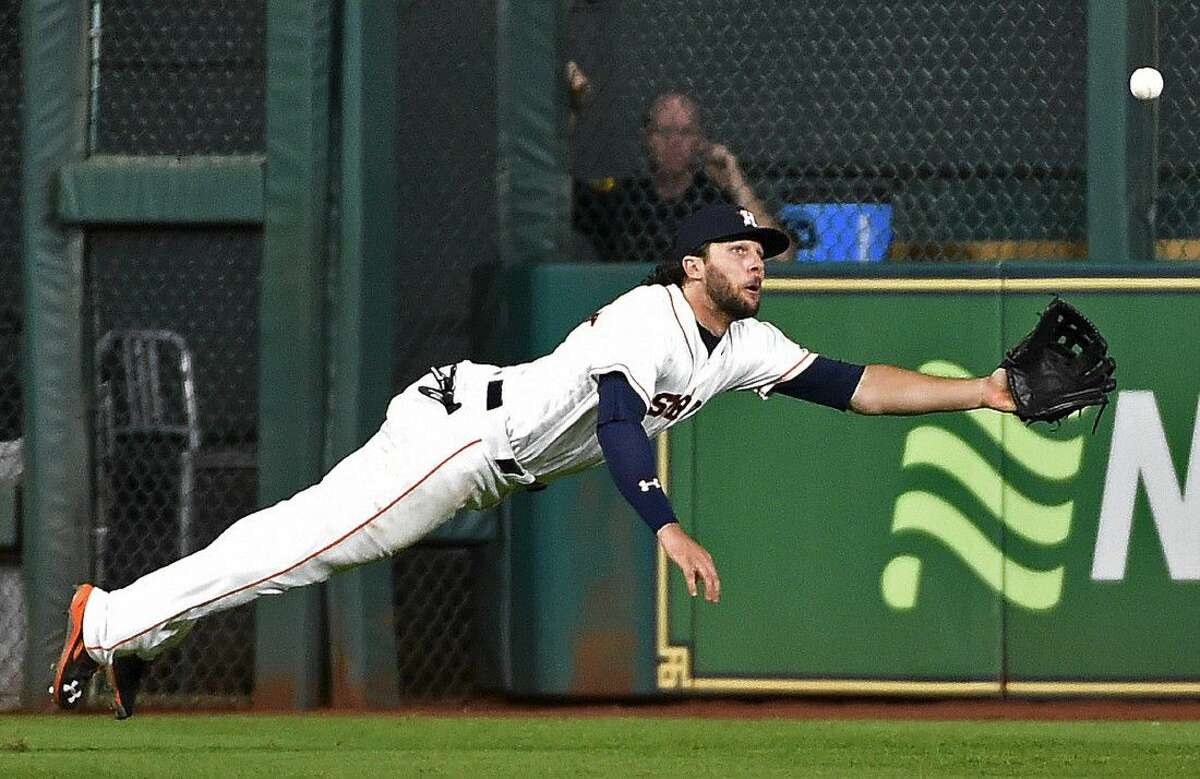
(954, 553)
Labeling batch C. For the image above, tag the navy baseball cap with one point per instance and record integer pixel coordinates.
(725, 223)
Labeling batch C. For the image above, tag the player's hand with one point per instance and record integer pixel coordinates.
(996, 394)
(693, 559)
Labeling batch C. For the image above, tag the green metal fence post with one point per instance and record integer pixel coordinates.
(57, 497)
(1142, 141)
(291, 353)
(533, 216)
(363, 667)
(1122, 131)
(531, 95)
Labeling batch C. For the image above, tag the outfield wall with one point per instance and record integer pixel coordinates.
(949, 554)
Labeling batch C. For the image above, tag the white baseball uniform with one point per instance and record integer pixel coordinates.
(427, 462)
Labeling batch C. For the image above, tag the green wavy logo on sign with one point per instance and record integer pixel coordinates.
(1044, 525)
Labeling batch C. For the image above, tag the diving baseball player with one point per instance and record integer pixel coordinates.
(466, 435)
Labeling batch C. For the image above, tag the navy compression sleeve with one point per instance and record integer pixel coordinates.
(627, 450)
(828, 382)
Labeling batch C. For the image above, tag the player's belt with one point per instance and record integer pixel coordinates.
(495, 394)
(495, 399)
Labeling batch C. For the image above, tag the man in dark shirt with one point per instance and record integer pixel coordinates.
(635, 219)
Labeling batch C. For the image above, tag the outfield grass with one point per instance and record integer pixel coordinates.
(316, 745)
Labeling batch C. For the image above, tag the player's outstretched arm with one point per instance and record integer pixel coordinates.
(886, 389)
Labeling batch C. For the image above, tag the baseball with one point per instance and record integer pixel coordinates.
(1146, 83)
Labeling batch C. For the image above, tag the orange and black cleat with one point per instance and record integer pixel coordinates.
(75, 667)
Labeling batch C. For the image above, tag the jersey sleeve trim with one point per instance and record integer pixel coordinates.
(764, 390)
(627, 373)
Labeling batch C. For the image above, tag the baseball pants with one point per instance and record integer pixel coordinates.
(422, 466)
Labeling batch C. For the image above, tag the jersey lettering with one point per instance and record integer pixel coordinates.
(669, 405)
(649, 334)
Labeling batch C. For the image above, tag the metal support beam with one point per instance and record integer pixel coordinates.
(363, 667)
(57, 486)
(1142, 141)
(531, 179)
(292, 381)
(1122, 132)
(162, 190)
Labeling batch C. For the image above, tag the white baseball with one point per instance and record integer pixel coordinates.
(1146, 83)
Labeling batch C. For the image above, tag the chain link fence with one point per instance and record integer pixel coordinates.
(12, 591)
(932, 130)
(1178, 206)
(178, 77)
(939, 130)
(448, 297)
(175, 317)
(449, 256)
(436, 623)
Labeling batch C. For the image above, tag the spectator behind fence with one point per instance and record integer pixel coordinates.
(634, 219)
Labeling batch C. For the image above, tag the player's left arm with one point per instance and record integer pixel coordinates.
(774, 364)
(886, 389)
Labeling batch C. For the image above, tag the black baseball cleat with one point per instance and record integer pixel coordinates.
(125, 678)
(75, 667)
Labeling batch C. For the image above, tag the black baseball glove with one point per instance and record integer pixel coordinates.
(1060, 367)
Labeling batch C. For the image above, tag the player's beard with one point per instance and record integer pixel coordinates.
(728, 298)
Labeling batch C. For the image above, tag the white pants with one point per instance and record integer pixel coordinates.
(419, 469)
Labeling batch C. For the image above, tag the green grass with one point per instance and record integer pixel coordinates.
(229, 745)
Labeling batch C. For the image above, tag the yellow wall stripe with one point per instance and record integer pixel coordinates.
(1067, 284)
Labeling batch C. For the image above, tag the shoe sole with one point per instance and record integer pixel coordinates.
(73, 649)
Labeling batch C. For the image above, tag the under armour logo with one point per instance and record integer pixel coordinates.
(71, 692)
(646, 485)
(748, 218)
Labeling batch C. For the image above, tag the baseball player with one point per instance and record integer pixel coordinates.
(466, 435)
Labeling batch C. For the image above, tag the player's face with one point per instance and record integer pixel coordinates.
(734, 276)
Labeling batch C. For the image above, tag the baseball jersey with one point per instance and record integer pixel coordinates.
(651, 336)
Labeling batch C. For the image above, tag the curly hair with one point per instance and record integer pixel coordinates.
(665, 275)
(671, 272)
